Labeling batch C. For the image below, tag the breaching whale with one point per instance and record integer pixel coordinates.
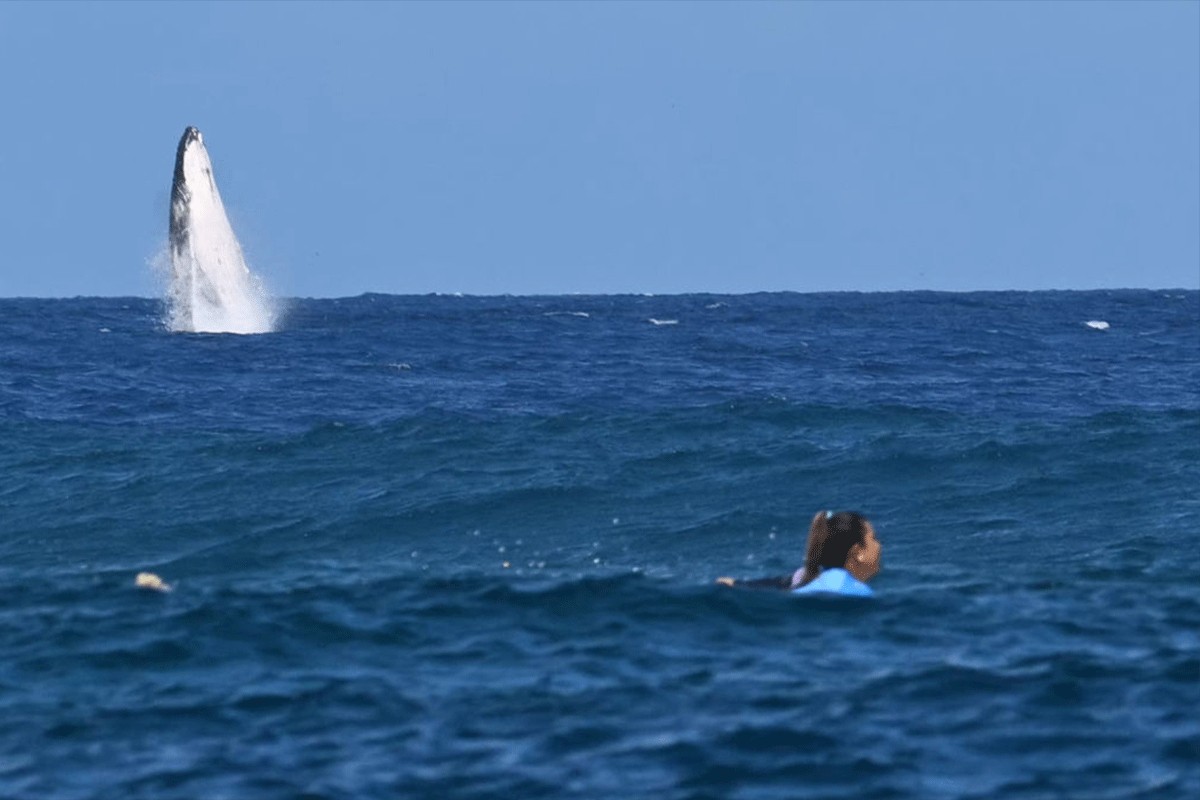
(211, 288)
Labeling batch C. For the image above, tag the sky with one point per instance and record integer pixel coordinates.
(553, 148)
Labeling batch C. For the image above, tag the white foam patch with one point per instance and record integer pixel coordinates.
(1097, 324)
(583, 314)
(212, 290)
(654, 321)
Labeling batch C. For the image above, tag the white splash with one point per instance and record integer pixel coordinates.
(211, 289)
(1097, 324)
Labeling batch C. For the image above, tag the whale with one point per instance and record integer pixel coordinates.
(211, 288)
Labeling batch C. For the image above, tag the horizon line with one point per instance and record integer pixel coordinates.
(636, 294)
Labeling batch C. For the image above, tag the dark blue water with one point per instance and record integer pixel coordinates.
(433, 547)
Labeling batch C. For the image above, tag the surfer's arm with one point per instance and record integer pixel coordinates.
(782, 582)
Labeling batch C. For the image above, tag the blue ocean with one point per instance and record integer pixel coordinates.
(465, 547)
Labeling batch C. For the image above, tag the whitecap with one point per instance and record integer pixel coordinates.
(583, 314)
(1097, 324)
(654, 321)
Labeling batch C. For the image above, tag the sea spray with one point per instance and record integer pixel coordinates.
(211, 289)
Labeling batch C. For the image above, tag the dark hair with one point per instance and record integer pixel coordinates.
(830, 538)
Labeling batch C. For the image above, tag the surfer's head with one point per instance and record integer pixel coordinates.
(846, 540)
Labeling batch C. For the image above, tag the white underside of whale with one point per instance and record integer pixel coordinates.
(212, 290)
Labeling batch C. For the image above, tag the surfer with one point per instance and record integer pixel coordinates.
(842, 555)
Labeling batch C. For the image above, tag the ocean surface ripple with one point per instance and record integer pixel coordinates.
(433, 547)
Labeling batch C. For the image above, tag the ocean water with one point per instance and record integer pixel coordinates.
(464, 547)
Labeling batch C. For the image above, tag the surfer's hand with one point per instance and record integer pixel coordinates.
(725, 581)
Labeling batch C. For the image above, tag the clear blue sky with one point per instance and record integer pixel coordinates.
(649, 147)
